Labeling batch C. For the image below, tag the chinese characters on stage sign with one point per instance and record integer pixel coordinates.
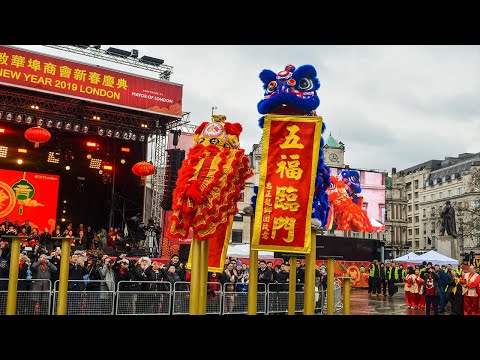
(287, 183)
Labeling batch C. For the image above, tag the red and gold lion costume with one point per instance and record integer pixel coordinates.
(343, 211)
(209, 186)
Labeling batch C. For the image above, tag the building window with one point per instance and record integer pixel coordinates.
(417, 231)
(449, 193)
(424, 198)
(409, 196)
(409, 219)
(237, 236)
(432, 226)
(432, 213)
(417, 219)
(370, 235)
(409, 208)
(410, 232)
(417, 244)
(440, 195)
(433, 241)
(424, 212)
(424, 228)
(432, 197)
(459, 191)
(416, 207)
(238, 217)
(416, 194)
(416, 184)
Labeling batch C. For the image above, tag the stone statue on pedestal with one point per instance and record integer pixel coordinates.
(448, 220)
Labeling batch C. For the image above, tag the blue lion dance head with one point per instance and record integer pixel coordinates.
(293, 91)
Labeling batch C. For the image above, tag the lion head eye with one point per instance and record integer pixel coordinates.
(305, 84)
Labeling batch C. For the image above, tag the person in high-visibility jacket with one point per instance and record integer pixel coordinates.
(374, 278)
(393, 276)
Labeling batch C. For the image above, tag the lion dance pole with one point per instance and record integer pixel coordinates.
(208, 188)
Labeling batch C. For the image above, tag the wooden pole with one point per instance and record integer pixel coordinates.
(13, 276)
(253, 274)
(195, 278)
(309, 289)
(292, 285)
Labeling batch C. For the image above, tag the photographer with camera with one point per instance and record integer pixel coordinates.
(77, 271)
(42, 270)
(432, 290)
(94, 272)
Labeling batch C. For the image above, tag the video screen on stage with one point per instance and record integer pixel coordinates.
(357, 200)
(29, 196)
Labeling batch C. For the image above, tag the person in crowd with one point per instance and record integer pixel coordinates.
(57, 234)
(124, 273)
(24, 273)
(17, 227)
(431, 289)
(172, 276)
(299, 275)
(374, 278)
(80, 240)
(46, 238)
(244, 268)
(11, 230)
(265, 276)
(89, 239)
(175, 261)
(55, 257)
(111, 237)
(68, 229)
(228, 279)
(6, 223)
(26, 225)
(35, 237)
(69, 234)
(471, 282)
(283, 277)
(4, 273)
(455, 293)
(393, 274)
(42, 273)
(77, 273)
(383, 280)
(442, 284)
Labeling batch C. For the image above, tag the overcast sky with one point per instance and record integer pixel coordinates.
(392, 105)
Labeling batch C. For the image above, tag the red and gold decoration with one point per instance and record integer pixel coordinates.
(287, 183)
(29, 196)
(143, 168)
(209, 185)
(37, 135)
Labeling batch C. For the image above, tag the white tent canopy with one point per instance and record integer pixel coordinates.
(435, 258)
(243, 251)
(407, 257)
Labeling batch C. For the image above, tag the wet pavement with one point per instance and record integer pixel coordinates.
(361, 303)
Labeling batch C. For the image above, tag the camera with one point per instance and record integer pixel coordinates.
(110, 262)
(48, 257)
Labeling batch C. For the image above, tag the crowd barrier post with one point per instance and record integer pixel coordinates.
(202, 306)
(253, 273)
(195, 278)
(292, 285)
(63, 277)
(13, 275)
(309, 290)
(330, 282)
(346, 293)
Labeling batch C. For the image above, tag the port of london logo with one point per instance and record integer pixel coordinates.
(7, 199)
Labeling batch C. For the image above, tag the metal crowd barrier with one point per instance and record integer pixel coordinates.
(144, 298)
(33, 297)
(277, 298)
(87, 297)
(93, 297)
(235, 299)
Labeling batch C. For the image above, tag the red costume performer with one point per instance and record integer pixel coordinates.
(471, 289)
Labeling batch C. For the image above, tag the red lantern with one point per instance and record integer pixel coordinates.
(37, 135)
(143, 168)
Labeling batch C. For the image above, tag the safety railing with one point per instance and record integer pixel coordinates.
(33, 297)
(144, 298)
(235, 298)
(277, 298)
(87, 297)
(97, 297)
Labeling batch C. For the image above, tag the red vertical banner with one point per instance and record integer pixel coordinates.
(287, 183)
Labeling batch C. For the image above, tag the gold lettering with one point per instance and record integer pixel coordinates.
(284, 222)
(65, 72)
(266, 218)
(94, 77)
(35, 65)
(291, 140)
(49, 68)
(265, 227)
(122, 83)
(108, 80)
(17, 61)
(79, 74)
(3, 58)
(285, 198)
(289, 168)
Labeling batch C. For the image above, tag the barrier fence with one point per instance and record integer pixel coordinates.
(98, 297)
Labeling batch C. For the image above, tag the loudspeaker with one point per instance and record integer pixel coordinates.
(175, 158)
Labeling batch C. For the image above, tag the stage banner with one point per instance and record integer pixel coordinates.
(29, 196)
(56, 75)
(287, 181)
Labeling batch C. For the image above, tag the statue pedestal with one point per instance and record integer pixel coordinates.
(448, 246)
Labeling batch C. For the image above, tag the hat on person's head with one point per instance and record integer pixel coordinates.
(424, 263)
(429, 263)
(238, 263)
